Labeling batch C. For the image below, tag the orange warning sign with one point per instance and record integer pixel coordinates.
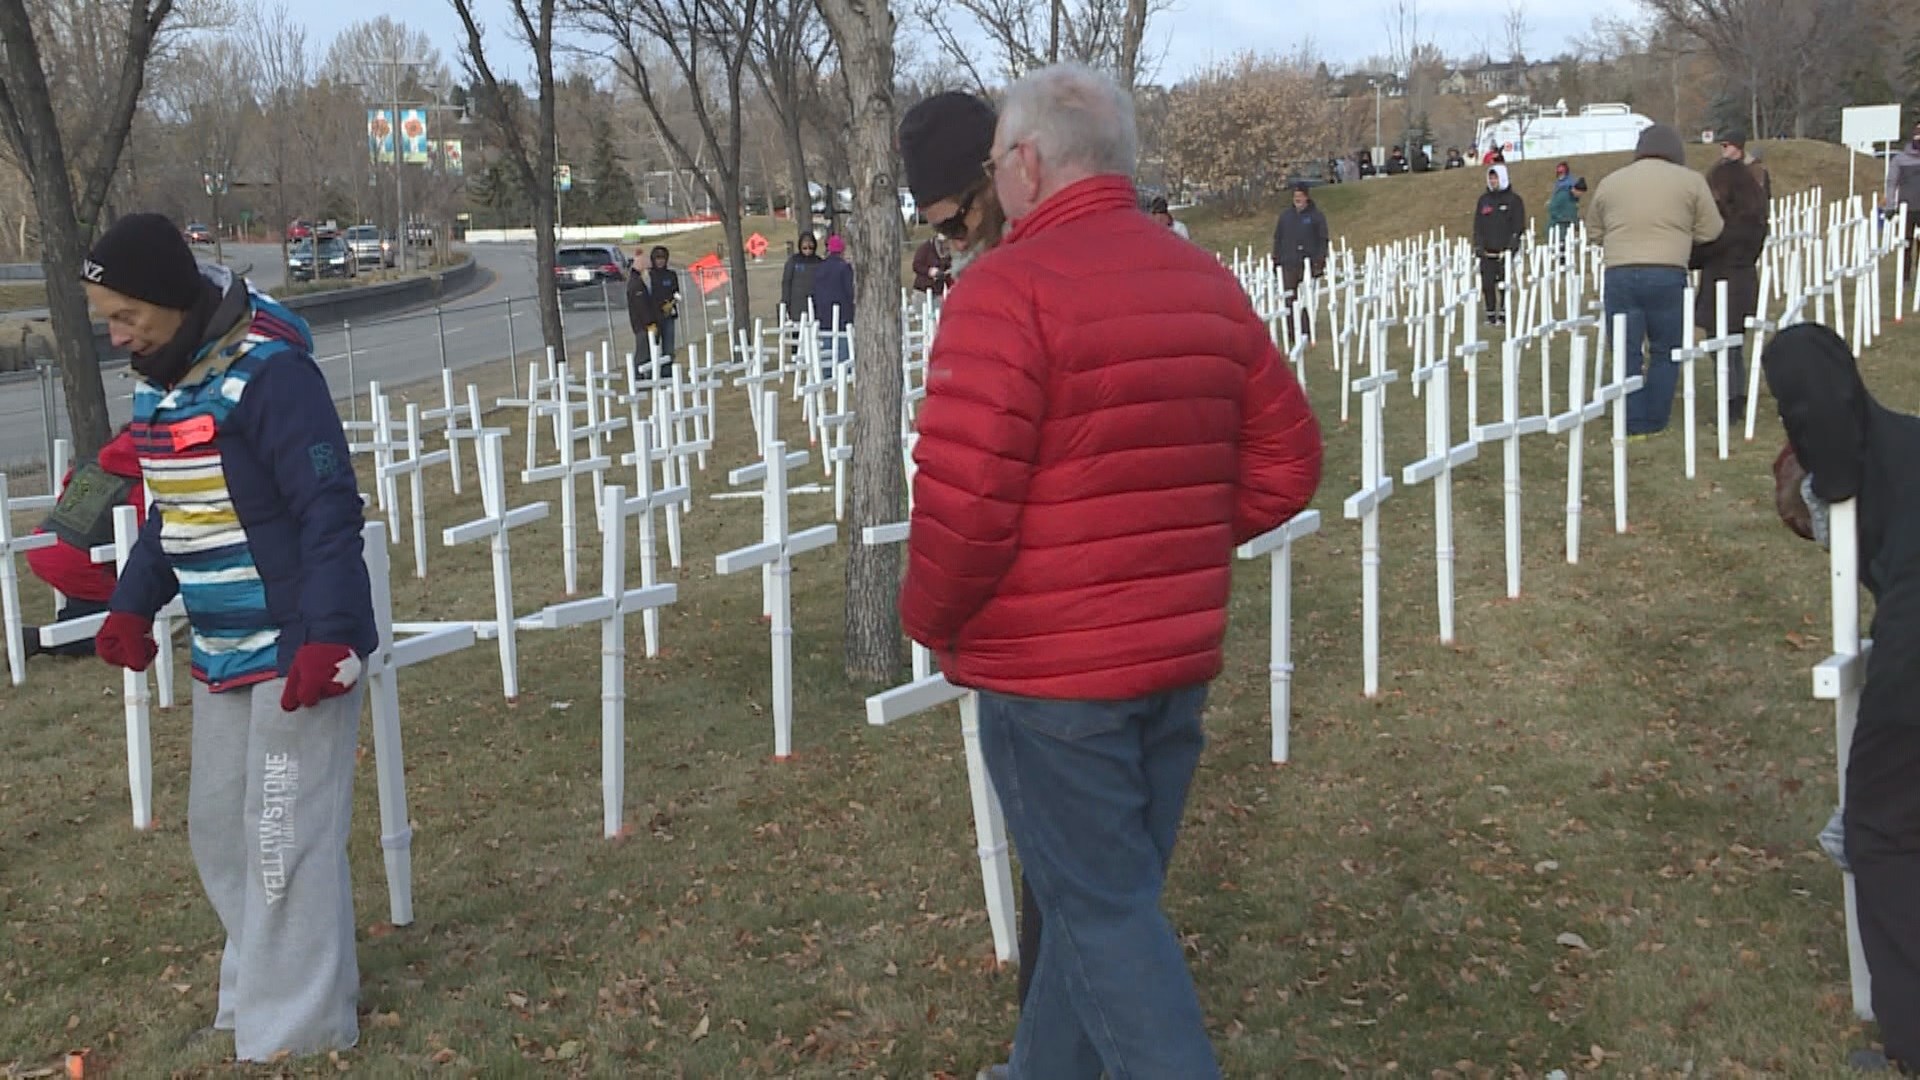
(708, 273)
(756, 245)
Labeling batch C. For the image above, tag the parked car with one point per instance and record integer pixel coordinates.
(371, 250)
(579, 266)
(197, 233)
(299, 229)
(336, 260)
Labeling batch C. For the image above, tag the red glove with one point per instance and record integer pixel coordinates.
(126, 641)
(319, 672)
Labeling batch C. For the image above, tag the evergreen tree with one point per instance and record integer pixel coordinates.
(614, 200)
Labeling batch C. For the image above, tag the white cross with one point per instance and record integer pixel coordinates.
(645, 501)
(600, 421)
(383, 695)
(1442, 458)
(1840, 678)
(535, 404)
(1718, 345)
(1573, 423)
(1688, 352)
(494, 527)
(381, 445)
(1510, 429)
(1616, 394)
(1375, 488)
(449, 414)
(776, 551)
(567, 472)
(610, 610)
(1277, 544)
(11, 545)
(412, 468)
(929, 691)
(134, 691)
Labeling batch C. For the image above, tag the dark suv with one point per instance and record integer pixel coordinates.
(578, 266)
(336, 260)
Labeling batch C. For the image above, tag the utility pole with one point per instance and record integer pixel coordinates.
(399, 152)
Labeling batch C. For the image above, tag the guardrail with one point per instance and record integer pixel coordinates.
(335, 306)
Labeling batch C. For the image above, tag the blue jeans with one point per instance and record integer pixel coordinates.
(1093, 792)
(1653, 298)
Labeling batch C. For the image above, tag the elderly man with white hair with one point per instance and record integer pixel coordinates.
(1106, 418)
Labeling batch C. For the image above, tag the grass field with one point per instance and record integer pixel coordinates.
(1627, 753)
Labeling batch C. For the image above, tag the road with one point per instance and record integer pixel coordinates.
(393, 350)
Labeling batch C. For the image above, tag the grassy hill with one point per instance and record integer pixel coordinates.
(1377, 211)
(1579, 838)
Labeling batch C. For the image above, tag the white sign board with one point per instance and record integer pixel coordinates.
(1865, 128)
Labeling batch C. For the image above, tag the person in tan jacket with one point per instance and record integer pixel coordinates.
(1647, 217)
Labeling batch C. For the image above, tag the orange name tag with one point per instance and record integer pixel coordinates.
(195, 432)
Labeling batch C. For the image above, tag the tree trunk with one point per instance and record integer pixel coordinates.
(736, 233)
(63, 236)
(1132, 34)
(795, 138)
(62, 246)
(864, 33)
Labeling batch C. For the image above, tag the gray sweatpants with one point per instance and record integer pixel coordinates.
(267, 818)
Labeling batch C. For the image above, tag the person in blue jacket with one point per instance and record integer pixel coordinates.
(833, 293)
(254, 520)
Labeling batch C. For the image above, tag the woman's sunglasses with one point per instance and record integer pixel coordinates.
(955, 227)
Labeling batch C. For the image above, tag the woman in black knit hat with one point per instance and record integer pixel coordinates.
(944, 142)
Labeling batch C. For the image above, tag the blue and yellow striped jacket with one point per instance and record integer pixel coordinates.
(255, 515)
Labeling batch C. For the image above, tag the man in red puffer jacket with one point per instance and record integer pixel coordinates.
(83, 520)
(1106, 418)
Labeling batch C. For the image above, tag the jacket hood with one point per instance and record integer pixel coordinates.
(1824, 406)
(1500, 173)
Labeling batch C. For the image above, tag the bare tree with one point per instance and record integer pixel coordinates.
(1775, 51)
(705, 41)
(282, 72)
(69, 216)
(789, 46)
(863, 31)
(1027, 34)
(531, 153)
(207, 95)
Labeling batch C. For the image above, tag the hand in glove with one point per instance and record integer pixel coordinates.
(126, 641)
(1787, 500)
(320, 671)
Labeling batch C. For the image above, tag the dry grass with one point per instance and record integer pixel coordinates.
(1628, 753)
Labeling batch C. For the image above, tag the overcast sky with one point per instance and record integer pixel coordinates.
(1192, 34)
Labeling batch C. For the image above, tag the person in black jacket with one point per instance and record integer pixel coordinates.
(644, 318)
(663, 288)
(1499, 222)
(1732, 257)
(796, 280)
(1852, 447)
(1300, 244)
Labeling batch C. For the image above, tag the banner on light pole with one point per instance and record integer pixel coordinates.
(413, 134)
(380, 135)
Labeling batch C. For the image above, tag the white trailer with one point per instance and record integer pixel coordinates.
(1530, 133)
